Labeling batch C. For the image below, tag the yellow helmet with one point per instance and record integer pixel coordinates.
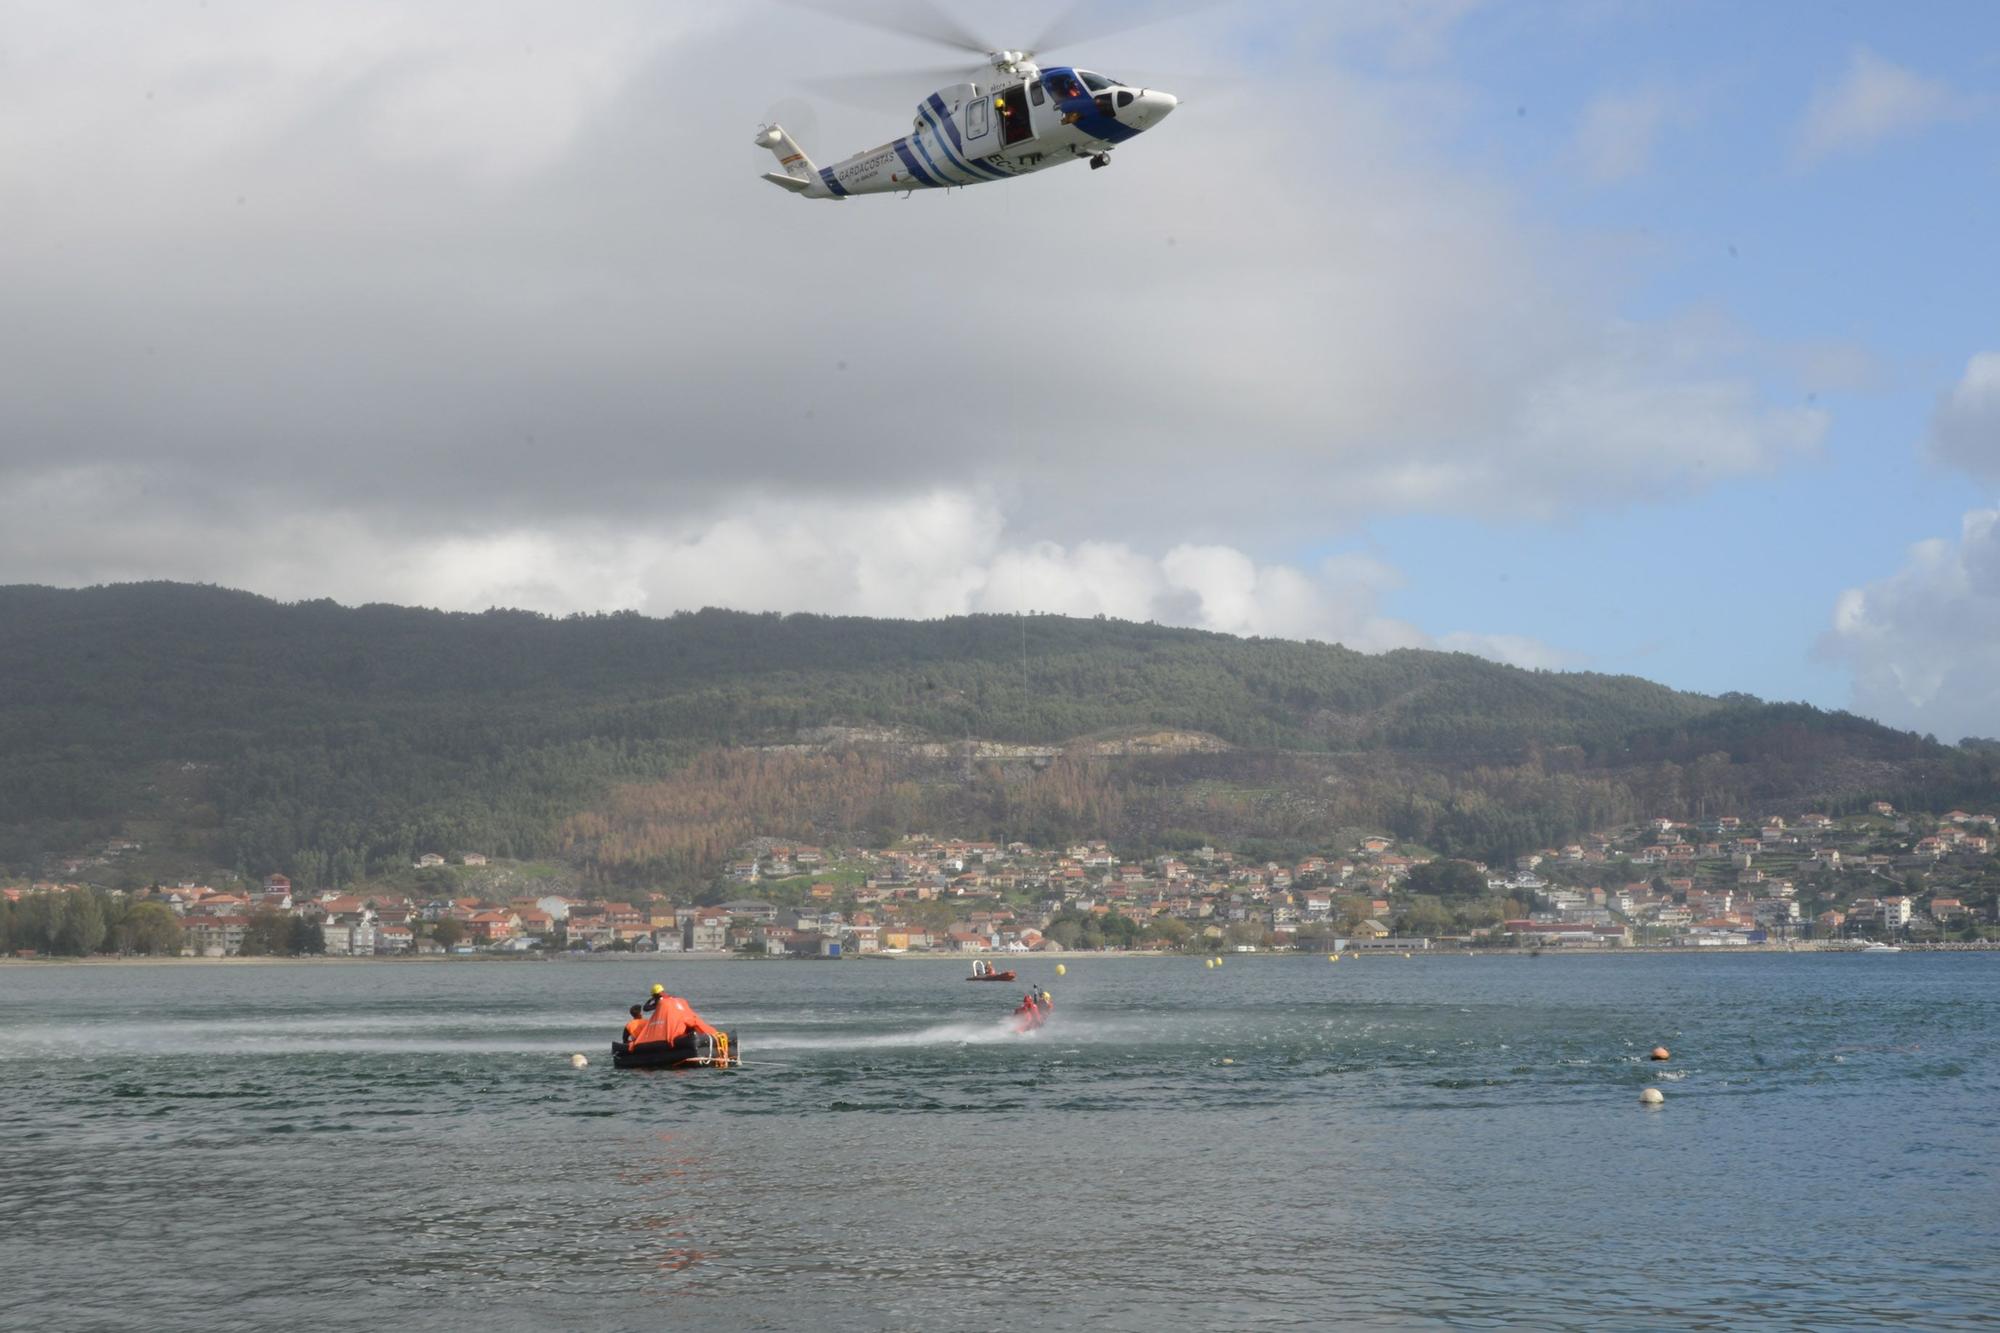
(658, 989)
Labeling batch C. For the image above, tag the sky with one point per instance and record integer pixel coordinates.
(1659, 338)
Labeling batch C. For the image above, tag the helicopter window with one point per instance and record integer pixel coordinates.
(1124, 98)
(1097, 83)
(1063, 86)
(1035, 94)
(976, 123)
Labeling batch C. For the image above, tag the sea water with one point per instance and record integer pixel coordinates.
(1279, 1142)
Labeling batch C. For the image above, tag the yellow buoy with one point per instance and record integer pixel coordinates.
(1333, 958)
(1652, 1097)
(577, 1061)
(1061, 971)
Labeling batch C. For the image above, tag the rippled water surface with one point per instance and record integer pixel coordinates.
(1277, 1143)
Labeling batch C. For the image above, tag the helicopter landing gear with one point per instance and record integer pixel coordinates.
(1101, 160)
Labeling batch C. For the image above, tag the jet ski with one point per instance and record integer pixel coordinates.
(690, 1050)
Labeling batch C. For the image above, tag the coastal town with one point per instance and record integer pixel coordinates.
(1809, 880)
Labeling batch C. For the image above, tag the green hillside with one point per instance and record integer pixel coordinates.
(330, 741)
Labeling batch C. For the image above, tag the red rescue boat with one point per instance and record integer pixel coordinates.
(983, 971)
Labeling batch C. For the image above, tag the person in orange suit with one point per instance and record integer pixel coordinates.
(670, 1017)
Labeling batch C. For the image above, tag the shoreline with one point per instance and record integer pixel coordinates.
(1004, 960)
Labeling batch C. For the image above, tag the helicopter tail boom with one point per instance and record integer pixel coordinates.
(799, 175)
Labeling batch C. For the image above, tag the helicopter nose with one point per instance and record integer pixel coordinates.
(1152, 106)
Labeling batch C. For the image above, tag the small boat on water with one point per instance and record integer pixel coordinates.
(690, 1050)
(1876, 946)
(983, 971)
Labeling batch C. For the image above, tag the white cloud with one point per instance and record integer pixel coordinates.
(1617, 135)
(1230, 592)
(1965, 428)
(1924, 643)
(1873, 101)
(935, 554)
(1513, 649)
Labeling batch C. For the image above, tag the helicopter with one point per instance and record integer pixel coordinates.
(1012, 118)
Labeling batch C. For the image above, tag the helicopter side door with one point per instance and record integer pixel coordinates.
(1012, 106)
(1044, 114)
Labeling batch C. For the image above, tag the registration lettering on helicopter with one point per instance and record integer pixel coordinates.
(882, 158)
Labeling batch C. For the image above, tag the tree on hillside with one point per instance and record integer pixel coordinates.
(78, 923)
(1426, 915)
(1250, 932)
(268, 934)
(1351, 911)
(448, 931)
(149, 928)
(305, 937)
(1447, 880)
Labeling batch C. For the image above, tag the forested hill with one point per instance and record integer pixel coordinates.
(325, 740)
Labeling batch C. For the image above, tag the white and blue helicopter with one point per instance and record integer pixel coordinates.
(1021, 118)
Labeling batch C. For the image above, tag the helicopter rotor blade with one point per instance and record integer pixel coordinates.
(890, 90)
(1181, 83)
(796, 115)
(800, 121)
(921, 19)
(1085, 21)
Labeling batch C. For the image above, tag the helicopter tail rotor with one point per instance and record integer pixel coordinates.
(797, 169)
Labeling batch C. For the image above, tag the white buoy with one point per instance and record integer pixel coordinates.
(577, 1061)
(1652, 1097)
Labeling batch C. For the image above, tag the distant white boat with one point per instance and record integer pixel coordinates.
(1876, 946)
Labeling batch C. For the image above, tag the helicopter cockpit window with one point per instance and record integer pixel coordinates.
(1063, 86)
(1097, 83)
(1124, 98)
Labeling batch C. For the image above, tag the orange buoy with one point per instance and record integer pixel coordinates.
(1661, 1053)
